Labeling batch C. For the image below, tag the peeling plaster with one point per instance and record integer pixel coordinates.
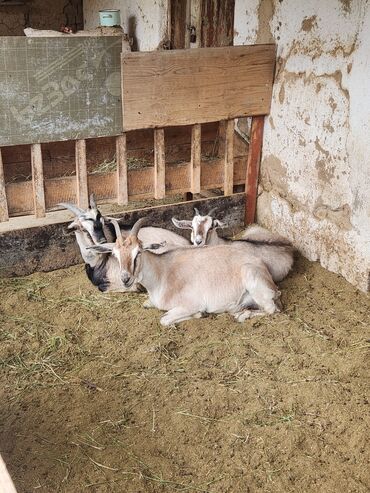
(315, 180)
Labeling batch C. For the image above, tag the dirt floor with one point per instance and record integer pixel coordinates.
(95, 396)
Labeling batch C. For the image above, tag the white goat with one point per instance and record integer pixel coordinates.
(92, 228)
(275, 251)
(188, 282)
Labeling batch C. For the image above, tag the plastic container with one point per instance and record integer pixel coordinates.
(110, 17)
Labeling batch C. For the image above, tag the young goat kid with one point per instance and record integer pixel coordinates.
(188, 282)
(276, 252)
(92, 228)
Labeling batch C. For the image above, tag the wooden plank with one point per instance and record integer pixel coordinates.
(196, 86)
(196, 148)
(6, 483)
(121, 158)
(4, 215)
(253, 164)
(229, 158)
(159, 164)
(81, 174)
(140, 184)
(37, 180)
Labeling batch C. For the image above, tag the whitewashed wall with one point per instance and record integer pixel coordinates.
(147, 18)
(315, 171)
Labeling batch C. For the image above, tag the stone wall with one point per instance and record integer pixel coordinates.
(40, 14)
(315, 170)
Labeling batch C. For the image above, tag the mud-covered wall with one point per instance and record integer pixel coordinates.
(315, 170)
(40, 14)
(145, 21)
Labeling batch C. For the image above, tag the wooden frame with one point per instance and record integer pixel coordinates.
(40, 195)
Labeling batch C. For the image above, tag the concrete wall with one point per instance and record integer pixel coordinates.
(315, 170)
(145, 21)
(40, 14)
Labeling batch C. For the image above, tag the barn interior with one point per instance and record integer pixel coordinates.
(257, 108)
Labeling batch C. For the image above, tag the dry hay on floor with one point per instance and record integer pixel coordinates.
(96, 396)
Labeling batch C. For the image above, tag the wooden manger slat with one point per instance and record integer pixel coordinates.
(38, 180)
(140, 184)
(253, 164)
(196, 149)
(4, 215)
(159, 164)
(81, 174)
(181, 87)
(229, 158)
(121, 158)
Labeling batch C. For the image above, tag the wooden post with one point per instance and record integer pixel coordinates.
(4, 214)
(37, 180)
(229, 158)
(159, 164)
(253, 164)
(196, 143)
(121, 157)
(81, 174)
(6, 483)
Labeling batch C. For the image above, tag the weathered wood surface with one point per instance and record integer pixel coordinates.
(121, 157)
(195, 163)
(253, 165)
(229, 158)
(140, 184)
(159, 164)
(59, 88)
(183, 87)
(81, 174)
(53, 246)
(4, 215)
(37, 180)
(6, 483)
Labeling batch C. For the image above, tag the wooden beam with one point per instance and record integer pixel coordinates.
(81, 174)
(196, 149)
(121, 157)
(4, 215)
(6, 483)
(159, 164)
(198, 85)
(253, 165)
(229, 158)
(37, 180)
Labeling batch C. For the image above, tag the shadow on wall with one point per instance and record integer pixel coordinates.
(132, 23)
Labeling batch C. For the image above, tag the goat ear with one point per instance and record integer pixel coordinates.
(182, 224)
(104, 248)
(218, 224)
(154, 246)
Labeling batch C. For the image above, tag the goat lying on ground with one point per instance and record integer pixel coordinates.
(92, 228)
(188, 282)
(275, 251)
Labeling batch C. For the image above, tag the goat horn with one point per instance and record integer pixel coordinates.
(197, 213)
(73, 208)
(92, 201)
(117, 229)
(212, 211)
(136, 227)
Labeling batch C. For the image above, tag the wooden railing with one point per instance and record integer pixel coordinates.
(184, 87)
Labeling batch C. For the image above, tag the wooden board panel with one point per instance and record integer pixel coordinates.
(59, 88)
(183, 87)
(81, 174)
(140, 185)
(196, 151)
(159, 164)
(121, 158)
